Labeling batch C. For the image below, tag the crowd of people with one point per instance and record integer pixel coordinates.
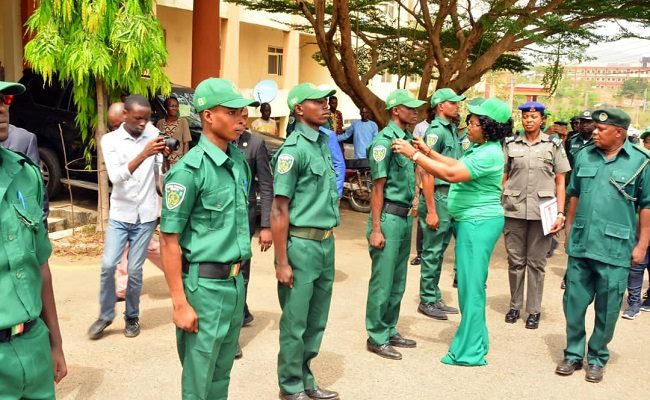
(472, 182)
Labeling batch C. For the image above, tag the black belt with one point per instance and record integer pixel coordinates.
(8, 334)
(396, 210)
(213, 270)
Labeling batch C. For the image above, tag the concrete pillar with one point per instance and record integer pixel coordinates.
(291, 67)
(206, 40)
(230, 45)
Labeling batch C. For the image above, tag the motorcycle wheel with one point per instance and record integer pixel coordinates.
(359, 199)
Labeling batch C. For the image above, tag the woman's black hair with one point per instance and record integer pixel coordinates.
(168, 99)
(495, 131)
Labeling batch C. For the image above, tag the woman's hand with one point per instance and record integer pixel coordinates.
(401, 146)
(423, 148)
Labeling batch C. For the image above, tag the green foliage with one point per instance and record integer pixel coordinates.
(119, 42)
(634, 88)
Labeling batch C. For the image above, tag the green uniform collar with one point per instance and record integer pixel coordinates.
(214, 152)
(627, 149)
(442, 120)
(307, 131)
(396, 130)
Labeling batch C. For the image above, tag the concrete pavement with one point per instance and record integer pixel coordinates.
(521, 361)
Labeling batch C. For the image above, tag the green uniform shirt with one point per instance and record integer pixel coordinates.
(604, 227)
(574, 145)
(396, 168)
(305, 174)
(480, 197)
(205, 200)
(531, 169)
(25, 244)
(442, 136)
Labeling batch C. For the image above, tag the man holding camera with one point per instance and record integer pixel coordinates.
(129, 153)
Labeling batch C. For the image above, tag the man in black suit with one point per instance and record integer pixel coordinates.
(257, 158)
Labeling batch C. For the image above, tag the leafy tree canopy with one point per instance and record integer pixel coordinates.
(454, 42)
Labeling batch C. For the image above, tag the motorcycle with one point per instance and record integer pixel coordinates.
(357, 187)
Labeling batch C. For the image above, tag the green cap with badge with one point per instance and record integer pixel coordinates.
(307, 91)
(445, 94)
(586, 114)
(401, 97)
(493, 108)
(219, 92)
(645, 134)
(611, 116)
(11, 88)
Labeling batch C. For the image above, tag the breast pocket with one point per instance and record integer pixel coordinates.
(621, 189)
(544, 161)
(586, 176)
(218, 204)
(28, 217)
(517, 160)
(577, 235)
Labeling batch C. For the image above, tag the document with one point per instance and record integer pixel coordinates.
(548, 211)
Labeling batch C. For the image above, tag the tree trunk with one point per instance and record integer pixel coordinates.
(102, 178)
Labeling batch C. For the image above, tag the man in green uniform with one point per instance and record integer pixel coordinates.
(304, 211)
(582, 138)
(442, 136)
(611, 181)
(31, 353)
(389, 227)
(204, 237)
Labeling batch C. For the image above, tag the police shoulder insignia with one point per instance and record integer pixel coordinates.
(379, 152)
(557, 141)
(285, 163)
(174, 194)
(432, 139)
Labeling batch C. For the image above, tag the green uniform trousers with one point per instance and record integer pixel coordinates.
(388, 277)
(305, 309)
(434, 245)
(207, 356)
(26, 366)
(588, 280)
(475, 241)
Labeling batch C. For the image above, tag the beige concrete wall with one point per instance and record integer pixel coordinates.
(178, 35)
(11, 47)
(254, 41)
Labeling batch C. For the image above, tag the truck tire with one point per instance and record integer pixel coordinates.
(51, 171)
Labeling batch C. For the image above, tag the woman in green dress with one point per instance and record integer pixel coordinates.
(475, 206)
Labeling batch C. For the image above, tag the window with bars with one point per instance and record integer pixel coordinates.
(275, 61)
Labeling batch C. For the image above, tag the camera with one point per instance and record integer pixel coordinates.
(171, 143)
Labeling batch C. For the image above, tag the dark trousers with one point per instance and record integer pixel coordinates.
(245, 267)
(418, 239)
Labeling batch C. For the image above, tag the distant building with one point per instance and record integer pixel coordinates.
(607, 76)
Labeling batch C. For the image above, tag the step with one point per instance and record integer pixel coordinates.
(56, 224)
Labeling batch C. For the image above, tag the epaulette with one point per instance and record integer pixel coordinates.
(642, 150)
(292, 139)
(557, 141)
(510, 139)
(194, 157)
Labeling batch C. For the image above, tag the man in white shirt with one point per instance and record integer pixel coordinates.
(422, 127)
(129, 153)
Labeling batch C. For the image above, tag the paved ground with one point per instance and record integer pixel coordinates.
(521, 362)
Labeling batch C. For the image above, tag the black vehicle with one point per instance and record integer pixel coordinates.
(48, 111)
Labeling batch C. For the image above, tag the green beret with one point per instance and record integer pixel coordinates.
(611, 116)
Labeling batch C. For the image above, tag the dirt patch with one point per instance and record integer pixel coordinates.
(84, 242)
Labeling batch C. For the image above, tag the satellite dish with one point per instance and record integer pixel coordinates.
(265, 91)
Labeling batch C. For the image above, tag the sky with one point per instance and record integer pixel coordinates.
(620, 51)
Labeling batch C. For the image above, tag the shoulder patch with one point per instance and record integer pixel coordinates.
(285, 163)
(556, 141)
(379, 152)
(465, 143)
(432, 139)
(174, 194)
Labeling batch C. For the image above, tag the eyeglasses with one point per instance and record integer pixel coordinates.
(6, 98)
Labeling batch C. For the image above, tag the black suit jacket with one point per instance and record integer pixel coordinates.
(257, 158)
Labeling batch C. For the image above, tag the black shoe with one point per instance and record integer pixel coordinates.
(239, 354)
(295, 396)
(416, 261)
(455, 284)
(132, 328)
(384, 350)
(563, 285)
(567, 367)
(399, 341)
(594, 373)
(550, 252)
(248, 318)
(119, 299)
(512, 316)
(440, 305)
(532, 322)
(97, 328)
(319, 393)
(432, 311)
